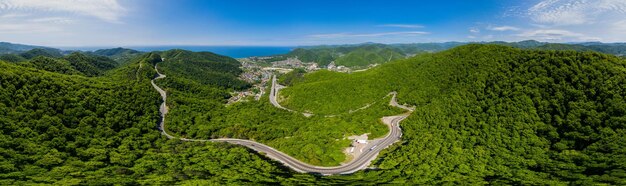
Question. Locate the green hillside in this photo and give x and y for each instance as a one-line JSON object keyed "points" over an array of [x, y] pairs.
{"points": [[485, 114], [347, 55], [75, 63], [492, 114], [617, 49], [51, 65], [416, 48], [367, 55], [59, 129], [361, 55], [203, 67], [115, 52], [121, 55], [321, 56], [90, 65], [12, 48], [198, 110], [46, 52], [13, 58]]}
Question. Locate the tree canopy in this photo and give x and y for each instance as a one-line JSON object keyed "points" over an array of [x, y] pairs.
{"points": [[492, 114], [485, 114]]}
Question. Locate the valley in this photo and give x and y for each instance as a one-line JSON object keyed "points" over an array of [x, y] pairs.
{"points": [[357, 163], [498, 108], [276, 92]]}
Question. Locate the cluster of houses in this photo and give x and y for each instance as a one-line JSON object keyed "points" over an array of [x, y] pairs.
{"points": [[260, 76], [293, 63]]}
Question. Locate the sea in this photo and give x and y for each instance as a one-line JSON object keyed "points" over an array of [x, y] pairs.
{"points": [[231, 51]]}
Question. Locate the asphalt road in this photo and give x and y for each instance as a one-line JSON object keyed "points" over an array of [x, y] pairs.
{"points": [[358, 163], [163, 109], [274, 94]]}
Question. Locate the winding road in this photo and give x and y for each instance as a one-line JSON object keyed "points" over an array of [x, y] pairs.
{"points": [[274, 94], [358, 163]]}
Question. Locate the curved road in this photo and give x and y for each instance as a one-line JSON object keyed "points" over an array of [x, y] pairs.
{"points": [[274, 94], [358, 163]]}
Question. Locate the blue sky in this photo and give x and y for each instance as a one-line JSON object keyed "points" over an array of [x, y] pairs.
{"points": [[290, 23]]}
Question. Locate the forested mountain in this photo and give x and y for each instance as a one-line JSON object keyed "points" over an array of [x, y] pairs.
{"points": [[417, 48], [51, 65], [46, 52], [618, 49], [361, 55], [370, 54], [11, 48], [13, 58], [121, 55], [347, 55], [204, 67], [90, 65], [74, 130], [485, 114], [321, 56], [102, 131], [73, 64], [17, 52], [491, 114], [198, 111], [115, 52]]}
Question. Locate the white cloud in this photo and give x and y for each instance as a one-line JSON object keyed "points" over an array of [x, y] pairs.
{"points": [[12, 15], [502, 28], [69, 22], [344, 35], [107, 10], [56, 20], [555, 35], [575, 12], [620, 26], [474, 30], [581, 20], [402, 25], [27, 28]]}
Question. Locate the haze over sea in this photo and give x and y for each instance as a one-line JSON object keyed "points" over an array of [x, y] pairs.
{"points": [[231, 51]]}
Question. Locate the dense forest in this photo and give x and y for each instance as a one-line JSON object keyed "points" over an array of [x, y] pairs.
{"points": [[75, 130], [41, 52], [292, 77], [11, 52], [203, 67], [361, 55], [347, 55], [120, 55], [12, 48], [75, 63], [486, 114], [198, 85]]}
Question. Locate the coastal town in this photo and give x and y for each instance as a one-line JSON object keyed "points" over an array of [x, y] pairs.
{"points": [[258, 71], [255, 75]]}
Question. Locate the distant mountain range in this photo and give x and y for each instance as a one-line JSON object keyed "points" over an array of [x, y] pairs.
{"points": [[484, 114], [118, 54], [11, 48], [361, 55], [12, 52], [353, 55]]}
